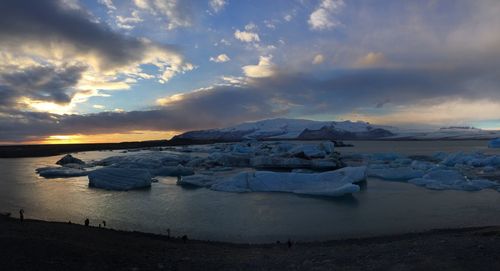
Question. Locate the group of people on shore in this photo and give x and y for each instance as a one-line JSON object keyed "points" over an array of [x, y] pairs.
{"points": [[87, 224]]}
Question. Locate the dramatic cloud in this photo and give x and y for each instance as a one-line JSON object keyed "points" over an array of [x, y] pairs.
{"points": [[246, 36], [220, 58], [61, 52], [128, 22], [175, 12], [324, 16], [318, 59], [264, 68], [47, 84], [371, 60], [346, 93], [217, 5]]}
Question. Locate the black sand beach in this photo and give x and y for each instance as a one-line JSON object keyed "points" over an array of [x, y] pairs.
{"points": [[40, 245]]}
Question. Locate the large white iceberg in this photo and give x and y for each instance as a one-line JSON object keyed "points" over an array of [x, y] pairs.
{"points": [[119, 178], [156, 163], [495, 143], [447, 179], [331, 183]]}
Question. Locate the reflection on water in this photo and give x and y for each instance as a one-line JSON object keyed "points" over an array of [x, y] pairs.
{"points": [[379, 208]]}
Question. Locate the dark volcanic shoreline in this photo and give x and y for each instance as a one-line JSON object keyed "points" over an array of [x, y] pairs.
{"points": [[40, 245]]}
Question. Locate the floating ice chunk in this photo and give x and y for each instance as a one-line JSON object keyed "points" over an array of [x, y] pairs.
{"points": [[151, 161], [119, 178], [279, 162], [307, 151], [195, 162], [327, 146], [489, 169], [61, 172], [440, 155], [422, 165], [385, 156], [495, 143], [461, 158], [230, 159], [271, 162], [474, 160], [395, 173], [280, 147], [331, 183], [447, 179], [201, 180], [241, 148], [69, 159]]}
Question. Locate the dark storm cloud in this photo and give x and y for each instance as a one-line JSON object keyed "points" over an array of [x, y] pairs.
{"points": [[50, 21], [199, 110], [39, 83], [279, 95]]}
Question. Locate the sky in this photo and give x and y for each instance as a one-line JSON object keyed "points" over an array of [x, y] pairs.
{"points": [[125, 70]]}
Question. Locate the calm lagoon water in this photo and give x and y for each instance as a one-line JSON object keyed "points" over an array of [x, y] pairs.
{"points": [[380, 208]]}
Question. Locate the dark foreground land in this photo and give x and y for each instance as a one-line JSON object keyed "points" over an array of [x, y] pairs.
{"points": [[39, 245]]}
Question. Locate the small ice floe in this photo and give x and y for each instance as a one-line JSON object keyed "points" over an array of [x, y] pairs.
{"points": [[198, 180], [119, 178], [495, 143], [332, 183], [69, 159], [156, 163], [448, 179], [61, 172], [471, 159], [404, 173]]}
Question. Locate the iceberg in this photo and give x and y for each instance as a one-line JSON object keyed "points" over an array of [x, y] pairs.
{"points": [[331, 183], [307, 152], [119, 178], [154, 162], [61, 172], [495, 143], [395, 173], [271, 162], [200, 180], [448, 179]]}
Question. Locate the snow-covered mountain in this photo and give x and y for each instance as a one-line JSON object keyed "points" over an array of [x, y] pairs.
{"points": [[303, 129], [450, 133], [291, 129]]}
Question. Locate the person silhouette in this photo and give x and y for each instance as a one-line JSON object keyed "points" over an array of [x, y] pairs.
{"points": [[104, 223], [289, 243], [87, 222], [184, 238], [21, 215]]}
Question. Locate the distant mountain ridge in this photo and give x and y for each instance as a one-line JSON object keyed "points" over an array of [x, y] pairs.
{"points": [[299, 129], [302, 129]]}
